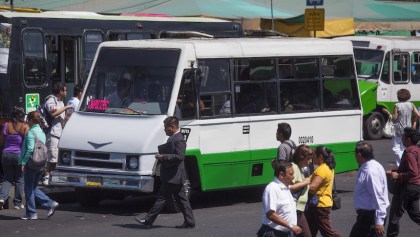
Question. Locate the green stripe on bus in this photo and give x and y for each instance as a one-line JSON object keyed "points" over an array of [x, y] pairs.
{"points": [[234, 169]]}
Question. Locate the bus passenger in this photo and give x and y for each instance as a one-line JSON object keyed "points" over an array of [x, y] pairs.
{"points": [[402, 117], [120, 99]]}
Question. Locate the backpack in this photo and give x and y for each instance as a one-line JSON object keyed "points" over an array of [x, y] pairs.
{"points": [[292, 149], [39, 157], [45, 116]]}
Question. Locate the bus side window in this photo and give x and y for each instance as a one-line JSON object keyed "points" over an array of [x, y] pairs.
{"points": [[415, 68], [400, 67], [186, 102], [33, 57]]}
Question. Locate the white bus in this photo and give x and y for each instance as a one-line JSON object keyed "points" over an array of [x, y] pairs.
{"points": [[229, 94], [385, 65]]}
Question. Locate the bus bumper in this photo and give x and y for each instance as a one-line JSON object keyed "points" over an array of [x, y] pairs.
{"points": [[104, 181]]}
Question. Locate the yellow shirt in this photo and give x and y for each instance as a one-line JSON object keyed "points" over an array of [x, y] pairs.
{"points": [[325, 189]]}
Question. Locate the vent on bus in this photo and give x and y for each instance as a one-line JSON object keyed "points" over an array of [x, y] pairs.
{"points": [[98, 164], [264, 33], [93, 155], [183, 34]]}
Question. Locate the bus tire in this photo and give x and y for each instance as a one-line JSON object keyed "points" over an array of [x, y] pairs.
{"points": [[88, 198], [172, 205], [373, 126]]}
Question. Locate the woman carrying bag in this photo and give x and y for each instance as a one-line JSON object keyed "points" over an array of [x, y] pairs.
{"points": [[11, 137], [32, 176], [318, 216]]}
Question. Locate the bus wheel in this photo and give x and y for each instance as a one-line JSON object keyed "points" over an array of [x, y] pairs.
{"points": [[88, 198], [373, 126], [172, 205]]}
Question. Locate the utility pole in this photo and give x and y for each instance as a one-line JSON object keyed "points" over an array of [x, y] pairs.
{"points": [[11, 4], [272, 17]]}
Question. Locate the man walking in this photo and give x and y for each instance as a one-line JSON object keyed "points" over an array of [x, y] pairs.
{"points": [[287, 147], [370, 194], [172, 177], [279, 208]]}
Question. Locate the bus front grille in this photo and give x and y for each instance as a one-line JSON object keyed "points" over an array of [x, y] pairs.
{"points": [[98, 164]]}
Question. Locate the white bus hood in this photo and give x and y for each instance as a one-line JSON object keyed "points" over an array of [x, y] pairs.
{"points": [[113, 133]]}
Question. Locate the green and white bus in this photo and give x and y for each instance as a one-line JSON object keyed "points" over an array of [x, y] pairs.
{"points": [[385, 65], [40, 49], [229, 94]]}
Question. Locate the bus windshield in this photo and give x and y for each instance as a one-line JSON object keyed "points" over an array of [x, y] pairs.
{"points": [[368, 63], [131, 81]]}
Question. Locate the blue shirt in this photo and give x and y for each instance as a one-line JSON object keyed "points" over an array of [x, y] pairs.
{"points": [[371, 191], [28, 144]]}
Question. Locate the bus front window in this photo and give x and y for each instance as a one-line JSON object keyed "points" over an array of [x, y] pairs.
{"points": [[131, 81], [368, 63], [33, 57]]}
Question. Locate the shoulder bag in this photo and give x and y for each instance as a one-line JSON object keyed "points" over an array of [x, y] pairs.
{"points": [[336, 198], [389, 130]]}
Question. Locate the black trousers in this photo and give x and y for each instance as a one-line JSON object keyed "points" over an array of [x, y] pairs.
{"points": [[165, 194], [267, 231], [365, 224], [406, 197]]}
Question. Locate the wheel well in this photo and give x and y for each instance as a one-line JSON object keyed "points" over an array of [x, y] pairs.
{"points": [[193, 172]]}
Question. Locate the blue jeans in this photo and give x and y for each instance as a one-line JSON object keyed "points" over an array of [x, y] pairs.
{"points": [[33, 193], [12, 175]]}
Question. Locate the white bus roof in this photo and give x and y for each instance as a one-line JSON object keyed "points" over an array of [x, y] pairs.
{"points": [[389, 42], [245, 47], [96, 16]]}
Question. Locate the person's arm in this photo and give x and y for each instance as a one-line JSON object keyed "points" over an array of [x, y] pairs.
{"points": [[1, 138], [395, 114], [412, 168], [29, 149], [275, 218], [315, 183], [416, 116], [51, 107], [375, 188], [179, 155], [24, 130], [299, 185]]}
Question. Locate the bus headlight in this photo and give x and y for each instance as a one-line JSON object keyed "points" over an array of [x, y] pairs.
{"points": [[65, 158], [132, 162]]}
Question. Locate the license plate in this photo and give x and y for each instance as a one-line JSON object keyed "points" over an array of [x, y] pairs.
{"points": [[94, 181]]}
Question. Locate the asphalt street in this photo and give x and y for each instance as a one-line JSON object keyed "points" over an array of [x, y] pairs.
{"points": [[220, 213]]}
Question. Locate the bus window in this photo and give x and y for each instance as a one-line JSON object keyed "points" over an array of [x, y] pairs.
{"points": [[339, 87], [91, 40], [33, 57], [299, 86], [400, 68], [415, 67], [255, 86], [187, 98], [69, 60], [368, 63], [215, 87], [116, 36]]}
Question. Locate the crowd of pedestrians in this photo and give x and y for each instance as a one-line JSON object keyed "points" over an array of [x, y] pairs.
{"points": [[18, 138]]}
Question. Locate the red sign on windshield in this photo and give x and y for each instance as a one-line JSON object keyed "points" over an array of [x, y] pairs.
{"points": [[98, 105]]}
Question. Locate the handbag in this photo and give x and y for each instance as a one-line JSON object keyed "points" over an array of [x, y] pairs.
{"points": [[313, 200], [389, 129], [336, 199]]}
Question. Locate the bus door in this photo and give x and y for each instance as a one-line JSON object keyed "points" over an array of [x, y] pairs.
{"points": [[34, 69], [415, 76], [400, 72]]}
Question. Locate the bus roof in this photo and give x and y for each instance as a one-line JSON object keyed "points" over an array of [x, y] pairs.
{"points": [[96, 16], [246, 47], [386, 42]]}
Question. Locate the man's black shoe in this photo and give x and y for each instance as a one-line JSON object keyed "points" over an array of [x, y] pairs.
{"points": [[185, 226], [143, 222]]}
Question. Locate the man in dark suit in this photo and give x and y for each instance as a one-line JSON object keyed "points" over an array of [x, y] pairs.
{"points": [[172, 176]]}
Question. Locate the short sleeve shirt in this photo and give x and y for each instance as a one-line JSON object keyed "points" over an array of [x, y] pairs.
{"points": [[285, 150], [277, 197], [325, 189], [53, 104]]}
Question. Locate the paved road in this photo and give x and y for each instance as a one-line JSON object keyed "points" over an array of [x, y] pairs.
{"points": [[221, 213]]}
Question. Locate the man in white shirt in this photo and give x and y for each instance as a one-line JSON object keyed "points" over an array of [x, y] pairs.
{"points": [[279, 208], [370, 194], [75, 100]]}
